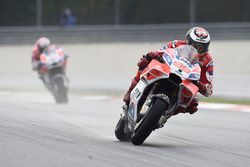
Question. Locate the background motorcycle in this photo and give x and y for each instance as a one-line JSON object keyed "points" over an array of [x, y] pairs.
{"points": [[52, 71], [165, 86]]}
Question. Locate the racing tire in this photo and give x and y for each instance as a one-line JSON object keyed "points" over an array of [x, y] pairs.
{"points": [[149, 121], [61, 93]]}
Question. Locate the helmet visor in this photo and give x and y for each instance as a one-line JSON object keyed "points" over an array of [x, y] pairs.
{"points": [[199, 47]]}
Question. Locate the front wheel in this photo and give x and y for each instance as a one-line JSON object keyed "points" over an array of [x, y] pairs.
{"points": [[149, 121], [61, 91]]}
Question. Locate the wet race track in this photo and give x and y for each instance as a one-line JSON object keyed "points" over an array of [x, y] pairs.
{"points": [[36, 132]]}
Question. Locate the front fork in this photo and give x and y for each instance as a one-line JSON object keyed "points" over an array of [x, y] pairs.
{"points": [[131, 124], [49, 77], [165, 116], [46, 81]]}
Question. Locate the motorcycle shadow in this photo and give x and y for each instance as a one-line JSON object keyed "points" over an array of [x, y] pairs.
{"points": [[161, 145]]}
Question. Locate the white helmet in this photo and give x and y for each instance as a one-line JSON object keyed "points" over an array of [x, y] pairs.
{"points": [[42, 43], [199, 38]]}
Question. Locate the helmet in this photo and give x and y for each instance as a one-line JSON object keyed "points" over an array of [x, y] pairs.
{"points": [[199, 38], [42, 43]]}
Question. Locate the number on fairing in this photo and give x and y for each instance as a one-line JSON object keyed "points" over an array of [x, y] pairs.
{"points": [[137, 93]]}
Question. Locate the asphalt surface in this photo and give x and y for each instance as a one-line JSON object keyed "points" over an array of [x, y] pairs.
{"points": [[35, 132]]}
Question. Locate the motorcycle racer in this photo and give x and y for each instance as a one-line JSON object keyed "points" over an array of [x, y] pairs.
{"points": [[39, 47], [50, 63], [199, 38]]}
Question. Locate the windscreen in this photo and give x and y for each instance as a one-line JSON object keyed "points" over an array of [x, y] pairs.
{"points": [[188, 53]]}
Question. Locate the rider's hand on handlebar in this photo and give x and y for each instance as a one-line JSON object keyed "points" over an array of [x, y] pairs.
{"points": [[146, 59], [152, 55], [160, 59], [143, 63]]}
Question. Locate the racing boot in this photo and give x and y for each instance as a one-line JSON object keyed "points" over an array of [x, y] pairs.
{"points": [[193, 106]]}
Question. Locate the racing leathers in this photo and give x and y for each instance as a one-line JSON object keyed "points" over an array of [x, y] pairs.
{"points": [[204, 84], [35, 58]]}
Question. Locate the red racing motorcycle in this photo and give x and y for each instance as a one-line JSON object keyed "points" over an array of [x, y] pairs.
{"points": [[52, 72], [165, 86]]}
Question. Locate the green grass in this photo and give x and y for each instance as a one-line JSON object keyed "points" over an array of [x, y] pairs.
{"points": [[119, 93], [225, 100]]}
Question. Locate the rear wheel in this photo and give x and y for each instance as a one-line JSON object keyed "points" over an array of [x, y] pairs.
{"points": [[149, 121]]}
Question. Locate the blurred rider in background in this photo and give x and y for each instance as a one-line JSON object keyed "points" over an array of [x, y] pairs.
{"points": [[40, 46], [199, 38]]}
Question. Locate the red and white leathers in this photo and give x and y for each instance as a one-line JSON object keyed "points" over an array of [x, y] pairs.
{"points": [[35, 57], [204, 84]]}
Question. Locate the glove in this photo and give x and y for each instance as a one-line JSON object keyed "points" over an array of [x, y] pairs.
{"points": [[146, 59], [160, 59], [151, 55]]}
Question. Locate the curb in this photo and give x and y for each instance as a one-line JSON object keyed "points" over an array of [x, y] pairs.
{"points": [[202, 105], [227, 107]]}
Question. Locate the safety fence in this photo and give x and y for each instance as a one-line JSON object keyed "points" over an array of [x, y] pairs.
{"points": [[121, 33]]}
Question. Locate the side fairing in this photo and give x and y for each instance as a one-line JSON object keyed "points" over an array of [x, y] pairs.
{"points": [[135, 96], [154, 72]]}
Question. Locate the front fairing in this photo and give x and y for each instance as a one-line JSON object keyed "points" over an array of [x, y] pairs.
{"points": [[52, 58], [155, 71], [181, 66]]}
